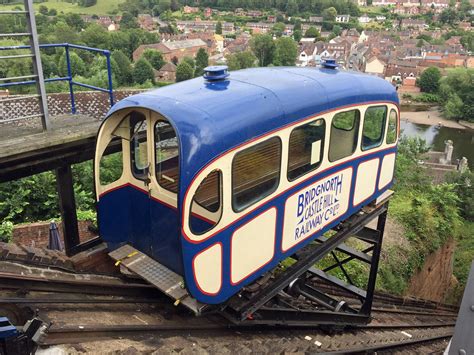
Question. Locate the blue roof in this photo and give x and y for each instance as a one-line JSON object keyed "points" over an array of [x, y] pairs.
{"points": [[212, 117]]}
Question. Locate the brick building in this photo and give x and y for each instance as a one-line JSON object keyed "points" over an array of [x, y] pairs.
{"points": [[174, 49]]}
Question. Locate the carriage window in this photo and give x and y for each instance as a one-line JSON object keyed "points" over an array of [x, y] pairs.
{"points": [[111, 163], [306, 148], [255, 173], [392, 127], [208, 196], [138, 144], [167, 156], [344, 131], [374, 124]]}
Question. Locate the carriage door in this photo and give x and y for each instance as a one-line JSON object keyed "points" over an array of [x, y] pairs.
{"points": [[140, 170], [164, 182]]}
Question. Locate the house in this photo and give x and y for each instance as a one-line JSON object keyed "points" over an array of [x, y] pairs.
{"points": [[384, 3], [306, 53], [343, 18], [173, 50], [364, 19], [146, 22], [207, 12], [113, 27], [437, 5], [407, 23], [167, 73], [380, 18], [190, 9], [255, 13], [315, 19], [259, 27], [204, 26], [374, 65], [272, 18]]}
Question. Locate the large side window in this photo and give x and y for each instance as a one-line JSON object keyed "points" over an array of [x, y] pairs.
{"points": [[392, 127], [255, 173], [166, 156], [344, 132], [111, 162], [208, 196], [306, 147], [138, 145], [374, 125]]}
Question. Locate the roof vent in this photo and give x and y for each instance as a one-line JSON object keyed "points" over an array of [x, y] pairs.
{"points": [[216, 72], [329, 63]]}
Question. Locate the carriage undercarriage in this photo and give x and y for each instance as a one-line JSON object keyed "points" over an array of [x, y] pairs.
{"points": [[298, 294]]}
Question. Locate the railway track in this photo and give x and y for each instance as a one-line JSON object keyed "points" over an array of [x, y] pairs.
{"points": [[90, 310]]}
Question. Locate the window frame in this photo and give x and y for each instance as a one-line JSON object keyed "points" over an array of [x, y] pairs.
{"points": [[397, 123], [382, 135], [220, 210], [235, 209], [155, 160], [317, 165], [144, 175], [356, 135]]}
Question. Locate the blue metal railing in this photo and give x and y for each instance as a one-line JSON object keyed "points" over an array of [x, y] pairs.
{"points": [[69, 77]]}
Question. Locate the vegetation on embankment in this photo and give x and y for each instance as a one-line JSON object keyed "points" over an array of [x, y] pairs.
{"points": [[430, 215]]}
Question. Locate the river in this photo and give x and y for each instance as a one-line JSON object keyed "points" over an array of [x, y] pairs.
{"points": [[463, 139]]}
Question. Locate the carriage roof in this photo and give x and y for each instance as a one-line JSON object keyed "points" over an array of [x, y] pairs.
{"points": [[211, 117]]}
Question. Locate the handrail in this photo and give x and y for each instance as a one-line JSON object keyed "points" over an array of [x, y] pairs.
{"points": [[69, 77]]}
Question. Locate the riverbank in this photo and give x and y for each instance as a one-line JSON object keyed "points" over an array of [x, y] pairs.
{"points": [[430, 118]]}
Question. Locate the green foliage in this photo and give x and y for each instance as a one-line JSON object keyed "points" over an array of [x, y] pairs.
{"points": [[329, 14], [128, 21], [184, 71], [241, 60], [312, 32], [202, 61], [426, 97], [286, 51], [464, 188], [219, 28], [142, 71], [263, 47], [457, 94], [429, 80], [123, 69], [278, 29], [6, 231], [297, 35], [78, 67], [154, 57], [87, 3]]}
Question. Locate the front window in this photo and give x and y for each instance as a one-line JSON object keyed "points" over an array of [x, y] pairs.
{"points": [[138, 145], [167, 156]]}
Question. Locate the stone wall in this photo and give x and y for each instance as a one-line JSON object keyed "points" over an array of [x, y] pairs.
{"points": [[37, 234]]}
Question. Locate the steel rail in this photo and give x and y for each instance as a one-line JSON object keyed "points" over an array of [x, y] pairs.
{"points": [[388, 346], [405, 326]]}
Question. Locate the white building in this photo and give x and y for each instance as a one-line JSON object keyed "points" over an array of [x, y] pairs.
{"points": [[343, 18]]}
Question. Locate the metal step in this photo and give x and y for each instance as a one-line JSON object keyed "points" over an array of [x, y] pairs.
{"points": [[157, 274]]}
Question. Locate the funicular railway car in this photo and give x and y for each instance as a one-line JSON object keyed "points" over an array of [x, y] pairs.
{"points": [[220, 178]]}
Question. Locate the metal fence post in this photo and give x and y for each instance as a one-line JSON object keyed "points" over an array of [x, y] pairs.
{"points": [[69, 74], [109, 73]]}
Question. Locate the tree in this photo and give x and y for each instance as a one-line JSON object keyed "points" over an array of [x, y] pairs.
{"points": [[202, 61], [124, 68], [429, 80], [95, 36], [128, 21], [78, 67], [286, 51], [190, 61], [263, 47], [241, 60], [329, 14], [297, 25], [297, 35], [278, 29], [164, 5], [43, 10], [219, 28], [154, 57], [184, 71], [457, 94], [337, 30], [75, 21], [449, 16], [312, 32], [142, 71], [87, 3], [291, 8]]}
